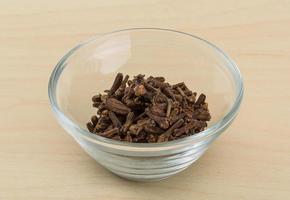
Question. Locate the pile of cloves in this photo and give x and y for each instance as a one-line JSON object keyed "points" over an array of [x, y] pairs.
{"points": [[148, 110]]}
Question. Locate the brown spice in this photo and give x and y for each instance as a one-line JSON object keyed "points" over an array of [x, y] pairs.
{"points": [[148, 110], [117, 83]]}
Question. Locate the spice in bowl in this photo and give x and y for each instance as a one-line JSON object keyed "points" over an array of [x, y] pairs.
{"points": [[148, 110]]}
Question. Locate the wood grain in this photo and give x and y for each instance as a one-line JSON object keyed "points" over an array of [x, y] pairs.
{"points": [[38, 160]]}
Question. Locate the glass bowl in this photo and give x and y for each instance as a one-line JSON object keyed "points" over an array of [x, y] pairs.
{"points": [[90, 68]]}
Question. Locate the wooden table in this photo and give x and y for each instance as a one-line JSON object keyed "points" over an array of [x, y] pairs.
{"points": [[38, 160]]}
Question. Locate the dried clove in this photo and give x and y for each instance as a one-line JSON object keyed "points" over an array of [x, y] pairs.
{"points": [[151, 138], [117, 83], [94, 119], [90, 126], [97, 98], [200, 100], [148, 110], [164, 137], [161, 121], [156, 109], [121, 90], [115, 121], [117, 106], [129, 121], [153, 129], [169, 106], [128, 138], [109, 133]]}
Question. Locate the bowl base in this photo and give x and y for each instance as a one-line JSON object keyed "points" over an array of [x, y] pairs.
{"points": [[149, 178]]}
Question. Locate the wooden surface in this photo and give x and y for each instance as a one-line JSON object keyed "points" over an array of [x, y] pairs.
{"points": [[38, 160]]}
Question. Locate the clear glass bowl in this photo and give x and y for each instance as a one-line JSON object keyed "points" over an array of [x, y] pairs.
{"points": [[90, 67]]}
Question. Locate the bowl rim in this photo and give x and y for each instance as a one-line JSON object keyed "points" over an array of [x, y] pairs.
{"points": [[214, 129]]}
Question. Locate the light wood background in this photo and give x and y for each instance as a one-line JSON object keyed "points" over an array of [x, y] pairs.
{"points": [[38, 160]]}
